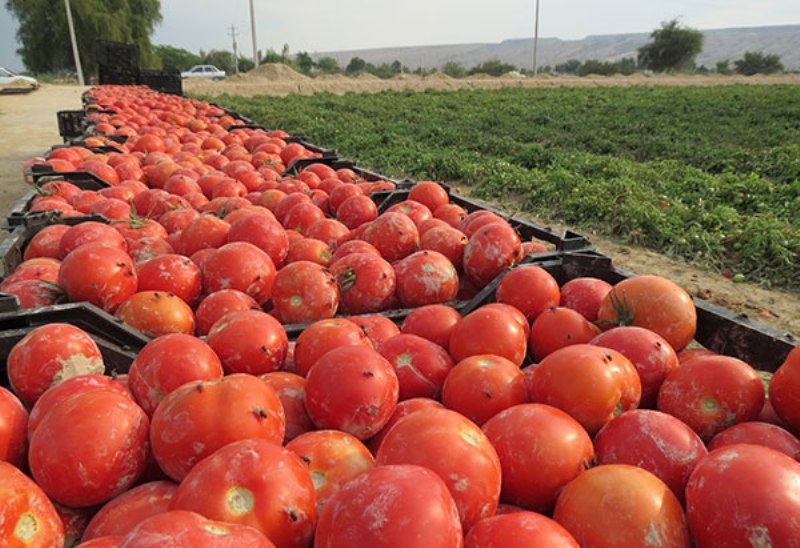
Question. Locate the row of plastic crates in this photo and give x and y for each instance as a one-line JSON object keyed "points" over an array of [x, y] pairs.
{"points": [[163, 81]]}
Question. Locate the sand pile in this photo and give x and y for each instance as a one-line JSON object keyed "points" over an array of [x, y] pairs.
{"points": [[438, 76], [367, 76], [277, 72]]}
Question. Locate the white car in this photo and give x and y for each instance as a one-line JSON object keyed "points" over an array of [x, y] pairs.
{"points": [[9, 79], [204, 71]]}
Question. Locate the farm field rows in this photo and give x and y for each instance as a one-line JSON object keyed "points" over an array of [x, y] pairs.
{"points": [[708, 174]]}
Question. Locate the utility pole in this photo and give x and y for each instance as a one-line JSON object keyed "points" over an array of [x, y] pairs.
{"points": [[235, 50], [74, 43], [253, 31], [536, 40]]}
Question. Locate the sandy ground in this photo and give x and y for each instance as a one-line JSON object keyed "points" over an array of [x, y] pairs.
{"points": [[30, 127]]}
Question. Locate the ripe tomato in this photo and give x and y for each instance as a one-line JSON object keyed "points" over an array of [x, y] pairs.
{"points": [[192, 529], [90, 232], [425, 277], [394, 235], [156, 313], [541, 449], [242, 266], [321, 337], [102, 275], [168, 362], [711, 393], [518, 530], [556, 328], [491, 249], [742, 495], [89, 448], [758, 433], [46, 242], [366, 394], [378, 329], [13, 429], [654, 303], [452, 214], [302, 216], [452, 446], [329, 231], [784, 391], [356, 210], [121, 514], [366, 282], [434, 322], [620, 505], [29, 518], [481, 386], [304, 292], [333, 459], [488, 331], [655, 441], [415, 511], [446, 240], [429, 194], [309, 249], [421, 365], [415, 211], [48, 355], [171, 273], [291, 390], [530, 289], [198, 418], [254, 482], [402, 409], [592, 384], [250, 341], [206, 231], [220, 303]]}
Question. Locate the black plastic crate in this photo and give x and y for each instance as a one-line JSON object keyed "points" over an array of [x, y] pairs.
{"points": [[117, 75], [334, 162], [118, 54], [163, 81], [718, 328], [84, 179], [20, 213], [300, 138], [71, 124]]}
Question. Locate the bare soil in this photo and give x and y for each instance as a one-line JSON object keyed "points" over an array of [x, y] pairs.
{"points": [[30, 127]]}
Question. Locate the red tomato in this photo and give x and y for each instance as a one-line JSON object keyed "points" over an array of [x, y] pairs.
{"points": [[366, 394], [102, 275], [619, 505], [366, 282], [518, 530], [250, 341], [655, 441], [302, 216], [333, 459], [356, 210], [654, 303], [121, 514], [394, 235], [157, 313], [378, 329], [145, 249], [13, 429], [291, 390], [490, 251], [429, 194], [254, 482], [425, 277], [206, 231], [171, 273], [556, 328], [198, 418], [90, 232], [434, 322], [744, 495], [488, 331], [354, 246], [220, 303], [89, 448], [784, 391], [446, 240], [481, 386], [411, 504], [46, 242], [402, 409], [309, 249], [329, 231], [168, 362], [242, 266], [321, 337], [192, 529], [541, 449], [421, 365], [530, 289], [758, 433], [48, 355], [415, 211], [452, 214], [29, 518], [711, 393], [592, 384], [453, 447]]}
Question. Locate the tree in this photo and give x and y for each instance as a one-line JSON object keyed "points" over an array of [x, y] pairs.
{"points": [[246, 64], [454, 70], [304, 62], [397, 67], [356, 65], [221, 59], [494, 67], [173, 58], [328, 65], [570, 67], [44, 36], [724, 67], [755, 62], [673, 47]]}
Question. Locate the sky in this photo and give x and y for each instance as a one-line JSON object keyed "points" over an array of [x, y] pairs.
{"points": [[317, 26]]}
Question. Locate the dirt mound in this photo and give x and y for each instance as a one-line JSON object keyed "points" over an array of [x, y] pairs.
{"points": [[332, 78], [405, 76], [367, 76], [481, 76], [277, 72], [438, 76]]}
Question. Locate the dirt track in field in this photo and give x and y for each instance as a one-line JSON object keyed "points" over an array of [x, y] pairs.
{"points": [[29, 128]]}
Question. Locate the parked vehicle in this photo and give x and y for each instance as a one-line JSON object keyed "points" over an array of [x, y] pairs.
{"points": [[9, 78], [204, 71]]}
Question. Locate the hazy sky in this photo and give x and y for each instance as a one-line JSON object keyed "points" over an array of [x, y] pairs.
{"points": [[355, 24]]}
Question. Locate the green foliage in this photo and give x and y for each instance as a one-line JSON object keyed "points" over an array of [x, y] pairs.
{"points": [[304, 62], [673, 47], [221, 59], [724, 67], [355, 66], [173, 58], [494, 67], [328, 65], [570, 67], [708, 174], [44, 35], [755, 62], [453, 69]]}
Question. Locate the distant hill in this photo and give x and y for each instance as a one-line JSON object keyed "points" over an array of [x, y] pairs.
{"points": [[719, 45]]}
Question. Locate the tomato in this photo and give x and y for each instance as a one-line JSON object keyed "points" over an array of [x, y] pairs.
{"points": [[556, 328], [192, 529], [411, 504], [758, 433], [744, 495], [530, 289], [592, 384], [446, 240], [711, 393], [452, 446], [650, 353], [416, 211], [366, 282], [490, 251], [90, 232], [29, 518], [302, 216], [366, 394], [321, 337], [378, 329], [429, 194], [206, 231], [196, 419], [518, 530], [291, 390], [168, 362], [784, 391], [39, 269], [489, 331], [102, 275], [250, 341], [425, 277], [620, 505], [329, 231], [655, 441], [177, 219], [434, 322], [309, 249], [171, 273], [46, 242], [402, 409], [219, 303], [121, 514], [13, 429], [333, 459], [421, 365], [304, 292], [89, 448], [254, 482], [156, 313], [356, 210], [48, 355], [654, 303], [242, 266], [394, 235], [354, 246], [541, 449], [481, 386]]}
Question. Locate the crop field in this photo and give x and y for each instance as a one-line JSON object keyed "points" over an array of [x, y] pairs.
{"points": [[710, 174]]}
